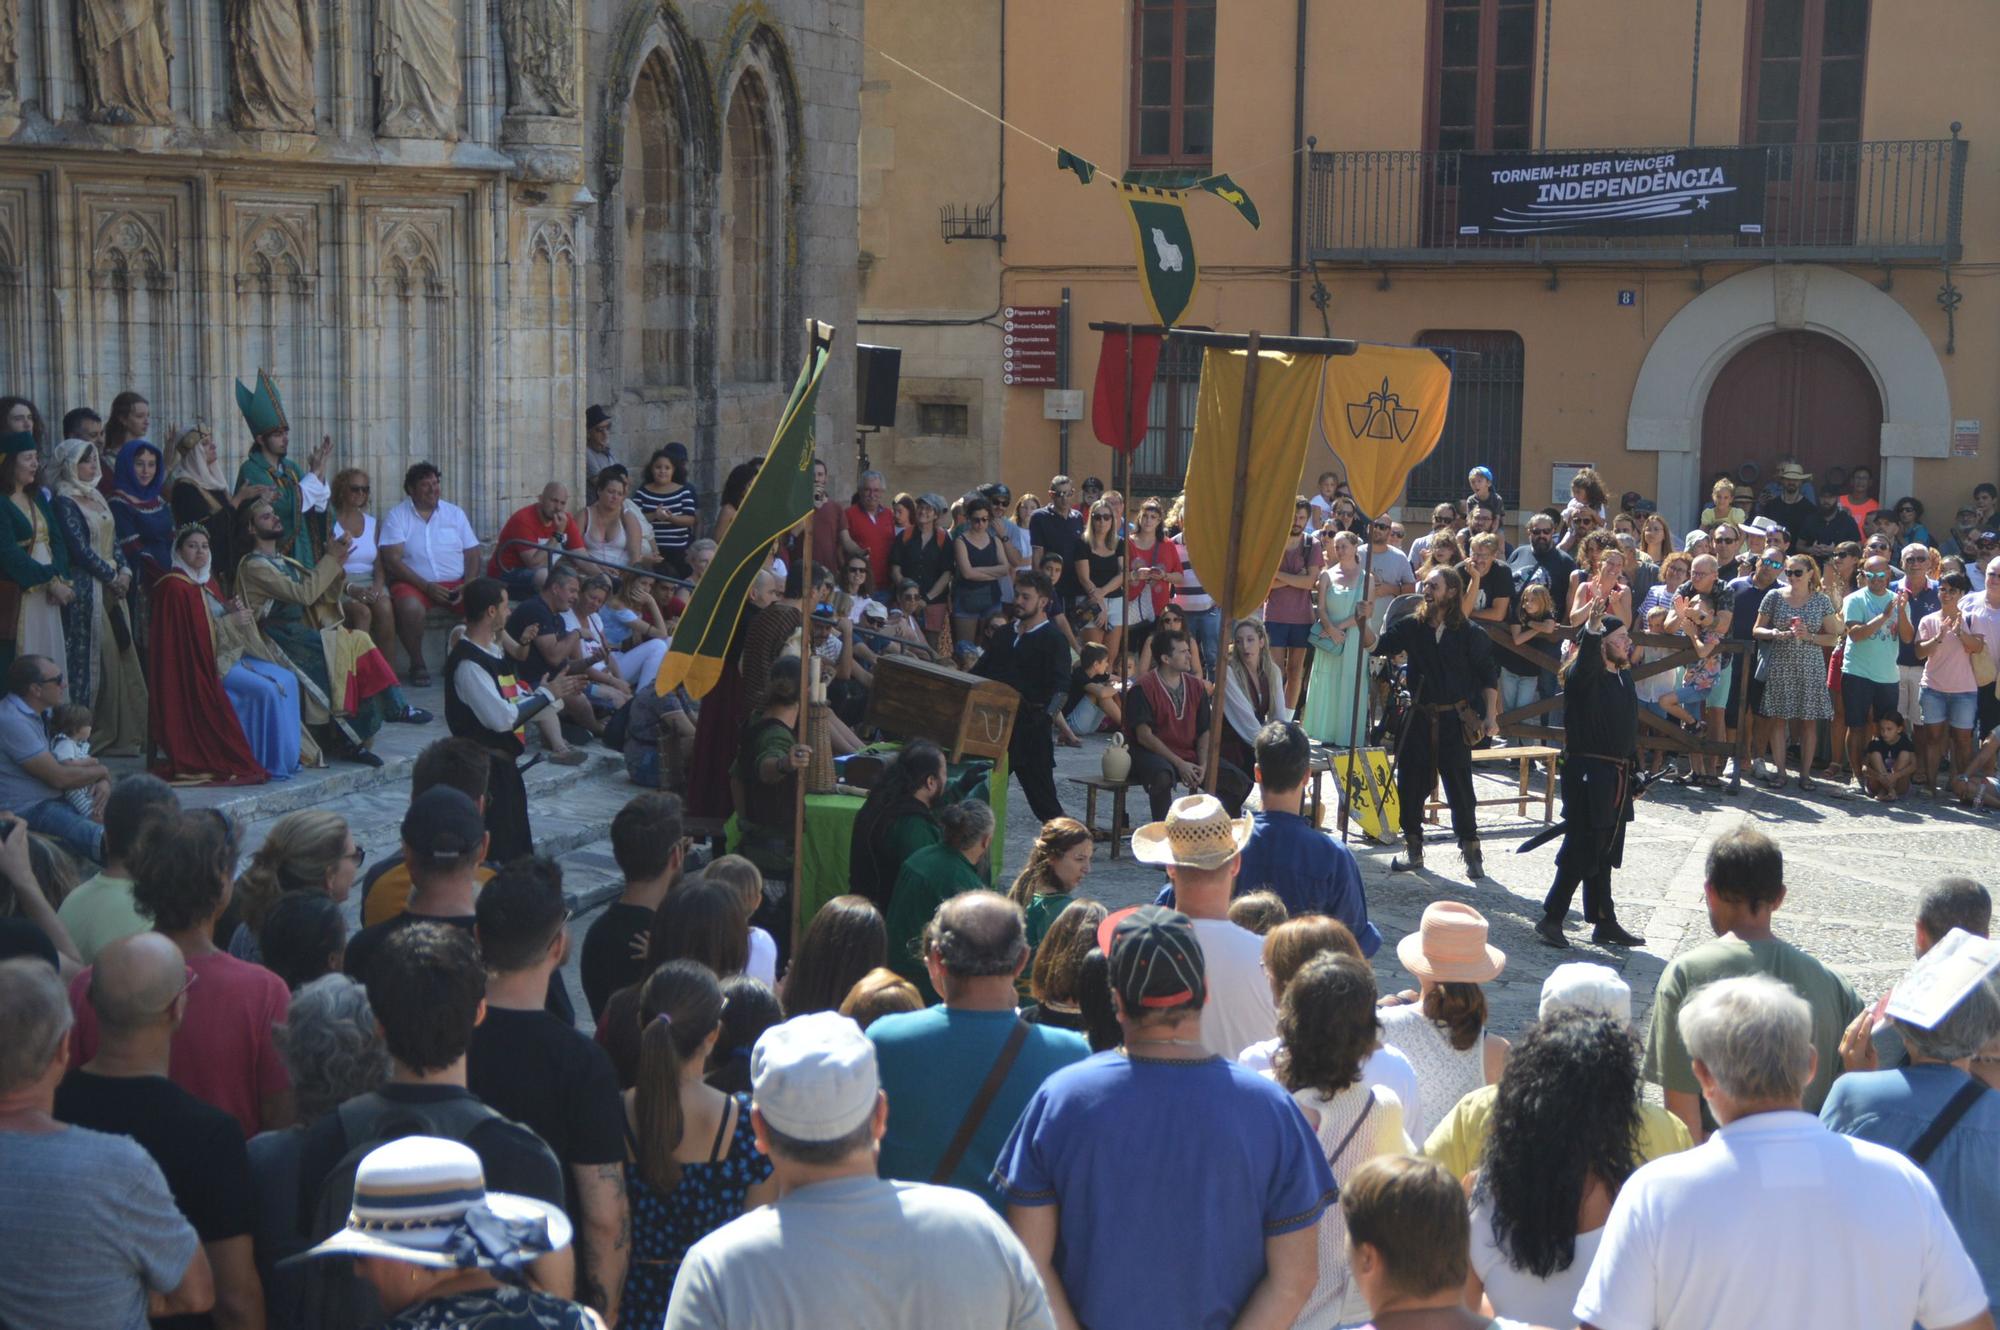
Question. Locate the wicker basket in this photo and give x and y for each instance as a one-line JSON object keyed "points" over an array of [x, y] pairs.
{"points": [[820, 777]]}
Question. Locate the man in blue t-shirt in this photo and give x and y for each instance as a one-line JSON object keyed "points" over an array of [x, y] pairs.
{"points": [[1877, 620], [934, 1062], [1161, 1184], [1310, 871]]}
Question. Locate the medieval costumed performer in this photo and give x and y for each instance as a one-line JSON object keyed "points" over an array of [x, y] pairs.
{"points": [[32, 558], [1601, 712], [295, 491], [194, 720]]}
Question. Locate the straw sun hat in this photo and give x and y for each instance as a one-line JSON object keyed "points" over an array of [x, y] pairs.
{"points": [[1450, 946], [1198, 834]]}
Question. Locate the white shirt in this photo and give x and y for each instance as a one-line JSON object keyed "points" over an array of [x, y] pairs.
{"points": [[482, 696], [1518, 1293], [1239, 1011], [360, 565], [1777, 1221], [433, 550], [763, 963], [1386, 1067]]}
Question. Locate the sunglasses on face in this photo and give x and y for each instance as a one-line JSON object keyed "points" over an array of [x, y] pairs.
{"points": [[1876, 577], [1725, 540], [1774, 563]]}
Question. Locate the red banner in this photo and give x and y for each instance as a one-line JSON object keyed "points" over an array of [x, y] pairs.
{"points": [[1108, 406]]}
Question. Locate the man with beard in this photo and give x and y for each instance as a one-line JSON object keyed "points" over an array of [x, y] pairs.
{"points": [[1833, 526], [1543, 562], [1791, 509], [1597, 790], [1453, 683], [1034, 658]]}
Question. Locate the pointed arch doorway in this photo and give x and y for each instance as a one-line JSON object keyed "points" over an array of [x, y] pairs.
{"points": [[1792, 394]]}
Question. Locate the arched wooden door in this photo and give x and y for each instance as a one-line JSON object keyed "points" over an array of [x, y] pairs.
{"points": [[1792, 394]]}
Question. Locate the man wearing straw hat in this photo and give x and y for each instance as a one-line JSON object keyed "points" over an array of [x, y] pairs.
{"points": [[1598, 791], [1201, 848]]}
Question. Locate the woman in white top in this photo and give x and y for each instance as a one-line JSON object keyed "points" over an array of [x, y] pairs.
{"points": [[1326, 1030], [1287, 949], [366, 581], [611, 530], [1563, 1141], [607, 686], [1442, 1029]]}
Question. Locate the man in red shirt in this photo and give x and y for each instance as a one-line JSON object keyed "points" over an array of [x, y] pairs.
{"points": [[871, 529], [546, 521]]}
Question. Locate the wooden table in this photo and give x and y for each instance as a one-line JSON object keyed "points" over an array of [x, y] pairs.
{"points": [[1116, 789], [1522, 796]]}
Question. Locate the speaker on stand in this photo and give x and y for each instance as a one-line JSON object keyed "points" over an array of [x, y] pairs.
{"points": [[878, 371]]}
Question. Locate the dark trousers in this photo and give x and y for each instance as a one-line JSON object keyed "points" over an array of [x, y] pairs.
{"points": [[1162, 783], [1434, 753], [509, 836], [1596, 893], [1032, 755]]}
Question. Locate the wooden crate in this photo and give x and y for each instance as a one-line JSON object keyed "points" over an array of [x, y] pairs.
{"points": [[961, 713]]}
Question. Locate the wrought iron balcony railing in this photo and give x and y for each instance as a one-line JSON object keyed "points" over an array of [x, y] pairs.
{"points": [[1885, 202]]}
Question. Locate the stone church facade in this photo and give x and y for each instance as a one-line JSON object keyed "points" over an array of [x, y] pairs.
{"points": [[444, 226]]}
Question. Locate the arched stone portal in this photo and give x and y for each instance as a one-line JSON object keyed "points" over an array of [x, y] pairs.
{"points": [[1684, 360]]}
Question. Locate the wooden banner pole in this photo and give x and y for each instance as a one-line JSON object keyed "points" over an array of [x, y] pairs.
{"points": [[1246, 419], [805, 710], [1121, 463]]}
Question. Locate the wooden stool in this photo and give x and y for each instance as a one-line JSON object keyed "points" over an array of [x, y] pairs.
{"points": [[1522, 795], [1319, 763], [1116, 789]]}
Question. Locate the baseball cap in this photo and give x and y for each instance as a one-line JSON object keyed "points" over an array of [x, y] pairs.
{"points": [[1989, 537], [813, 1077], [443, 823], [1695, 535], [875, 610], [1583, 986], [1154, 957]]}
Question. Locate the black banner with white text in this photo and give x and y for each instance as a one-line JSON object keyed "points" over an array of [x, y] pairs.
{"points": [[1687, 191]]}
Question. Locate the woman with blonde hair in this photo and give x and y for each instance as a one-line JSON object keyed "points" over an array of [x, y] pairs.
{"points": [[1656, 539], [1340, 632], [1796, 623], [1100, 574], [308, 850], [1056, 867], [1256, 696], [367, 585]]}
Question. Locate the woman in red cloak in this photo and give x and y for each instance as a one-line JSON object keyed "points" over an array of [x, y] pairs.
{"points": [[191, 720]]}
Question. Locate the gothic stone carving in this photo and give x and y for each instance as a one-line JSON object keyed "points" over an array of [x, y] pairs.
{"points": [[416, 69], [123, 49], [541, 56], [271, 43], [10, 27]]}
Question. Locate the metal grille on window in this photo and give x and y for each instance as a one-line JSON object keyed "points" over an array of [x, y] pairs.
{"points": [[1482, 426], [951, 418], [1160, 464]]}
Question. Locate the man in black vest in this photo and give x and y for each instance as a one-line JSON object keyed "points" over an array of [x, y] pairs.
{"points": [[1453, 683], [1601, 740], [485, 702], [1034, 659]]}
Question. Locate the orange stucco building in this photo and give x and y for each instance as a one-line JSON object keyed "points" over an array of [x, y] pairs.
{"points": [[1847, 315]]}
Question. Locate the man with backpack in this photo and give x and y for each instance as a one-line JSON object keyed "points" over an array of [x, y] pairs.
{"points": [[427, 986]]}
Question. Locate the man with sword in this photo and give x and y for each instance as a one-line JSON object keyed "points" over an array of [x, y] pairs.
{"points": [[1601, 739]]}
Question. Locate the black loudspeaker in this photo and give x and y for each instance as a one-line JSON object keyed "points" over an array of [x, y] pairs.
{"points": [[877, 371]]}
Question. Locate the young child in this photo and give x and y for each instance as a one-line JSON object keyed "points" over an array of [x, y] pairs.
{"points": [[1093, 697], [1891, 763], [69, 741], [748, 880], [1258, 911]]}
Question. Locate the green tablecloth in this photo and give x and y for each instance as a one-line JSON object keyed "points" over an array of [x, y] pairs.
{"points": [[830, 836]]}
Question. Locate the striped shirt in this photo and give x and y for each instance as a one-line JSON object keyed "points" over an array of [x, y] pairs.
{"points": [[683, 502]]}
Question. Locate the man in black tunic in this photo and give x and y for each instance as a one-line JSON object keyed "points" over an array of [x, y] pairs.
{"points": [[1034, 659], [1453, 681], [1600, 742]]}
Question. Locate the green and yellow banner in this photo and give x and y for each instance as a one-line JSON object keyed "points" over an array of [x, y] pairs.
{"points": [[778, 500], [1382, 412], [1155, 202]]}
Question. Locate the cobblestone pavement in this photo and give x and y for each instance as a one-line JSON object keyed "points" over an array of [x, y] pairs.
{"points": [[1854, 869]]}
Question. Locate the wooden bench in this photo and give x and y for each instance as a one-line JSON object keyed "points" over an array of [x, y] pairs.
{"points": [[1093, 785], [1523, 795]]}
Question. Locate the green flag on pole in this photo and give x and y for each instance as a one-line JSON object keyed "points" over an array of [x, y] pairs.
{"points": [[778, 500], [1167, 267]]}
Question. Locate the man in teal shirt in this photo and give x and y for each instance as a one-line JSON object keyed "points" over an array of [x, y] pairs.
{"points": [[935, 1062], [1877, 620], [295, 491]]}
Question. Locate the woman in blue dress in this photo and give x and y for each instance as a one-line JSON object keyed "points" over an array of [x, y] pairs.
{"points": [[694, 1164], [1340, 636], [263, 694], [145, 527]]}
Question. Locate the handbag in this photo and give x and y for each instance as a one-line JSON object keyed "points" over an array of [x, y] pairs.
{"points": [[1983, 670]]}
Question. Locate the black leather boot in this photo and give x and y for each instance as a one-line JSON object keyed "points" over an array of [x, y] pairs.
{"points": [[1475, 863], [1411, 860], [1610, 933]]}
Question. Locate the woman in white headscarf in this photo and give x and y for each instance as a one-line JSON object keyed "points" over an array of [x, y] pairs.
{"points": [[103, 664], [197, 492]]}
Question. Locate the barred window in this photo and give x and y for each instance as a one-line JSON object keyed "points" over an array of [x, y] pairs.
{"points": [[1482, 426]]}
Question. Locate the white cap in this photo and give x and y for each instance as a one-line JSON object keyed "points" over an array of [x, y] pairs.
{"points": [[813, 1077], [1582, 986], [1694, 535]]}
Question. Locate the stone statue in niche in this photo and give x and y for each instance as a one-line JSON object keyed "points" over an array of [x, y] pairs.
{"points": [[271, 45], [416, 69], [541, 56], [123, 50], [10, 24]]}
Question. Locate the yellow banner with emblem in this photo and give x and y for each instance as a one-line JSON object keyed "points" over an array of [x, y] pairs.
{"points": [[1383, 411]]}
